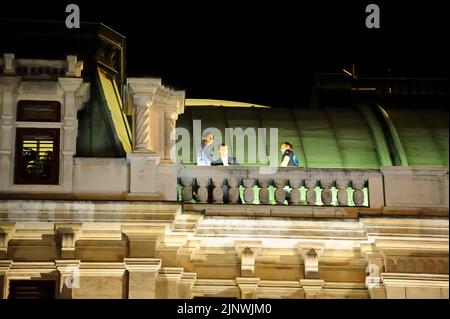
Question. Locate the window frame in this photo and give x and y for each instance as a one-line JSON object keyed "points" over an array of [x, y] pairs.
{"points": [[18, 162]]}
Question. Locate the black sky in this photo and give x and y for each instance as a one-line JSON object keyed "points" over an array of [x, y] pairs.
{"points": [[262, 52]]}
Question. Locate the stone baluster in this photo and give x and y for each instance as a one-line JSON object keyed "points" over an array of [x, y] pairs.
{"points": [[342, 195], [187, 189], [294, 198], [249, 196], [217, 193], [327, 195], [358, 195], [202, 191], [233, 190], [311, 196], [264, 191], [280, 194]]}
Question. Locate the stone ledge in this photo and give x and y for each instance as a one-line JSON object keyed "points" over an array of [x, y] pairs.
{"points": [[309, 211]]}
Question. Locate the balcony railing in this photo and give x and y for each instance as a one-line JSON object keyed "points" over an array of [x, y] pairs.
{"points": [[284, 186]]}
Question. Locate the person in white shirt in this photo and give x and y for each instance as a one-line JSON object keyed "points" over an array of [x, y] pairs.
{"points": [[205, 154]]}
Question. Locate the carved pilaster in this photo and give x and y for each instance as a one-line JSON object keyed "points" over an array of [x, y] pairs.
{"points": [[68, 234], [170, 119]]}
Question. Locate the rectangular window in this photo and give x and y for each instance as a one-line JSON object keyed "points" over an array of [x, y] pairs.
{"points": [[39, 111], [32, 289], [37, 156]]}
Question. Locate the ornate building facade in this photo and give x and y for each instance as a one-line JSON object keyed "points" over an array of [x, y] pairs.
{"points": [[94, 205]]}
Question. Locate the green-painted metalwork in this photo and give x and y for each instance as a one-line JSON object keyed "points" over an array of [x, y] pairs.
{"points": [[377, 133], [399, 152]]}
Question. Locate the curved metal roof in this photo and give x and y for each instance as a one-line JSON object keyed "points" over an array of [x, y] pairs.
{"points": [[333, 137]]}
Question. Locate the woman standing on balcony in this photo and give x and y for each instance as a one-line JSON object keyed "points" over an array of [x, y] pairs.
{"points": [[205, 155], [288, 158]]}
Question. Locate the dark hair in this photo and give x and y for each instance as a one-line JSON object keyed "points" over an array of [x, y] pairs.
{"points": [[288, 144]]}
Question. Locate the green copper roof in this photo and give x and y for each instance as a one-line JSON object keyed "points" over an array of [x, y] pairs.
{"points": [[336, 137]]}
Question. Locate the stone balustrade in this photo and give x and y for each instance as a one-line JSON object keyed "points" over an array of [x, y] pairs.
{"points": [[287, 186], [41, 69]]}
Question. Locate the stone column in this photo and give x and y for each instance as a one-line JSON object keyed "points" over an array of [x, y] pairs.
{"points": [[154, 116], [170, 118], [70, 129], [142, 124], [142, 277], [69, 278], [8, 87]]}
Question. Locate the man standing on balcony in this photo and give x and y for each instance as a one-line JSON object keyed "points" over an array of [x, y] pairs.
{"points": [[288, 158], [205, 155], [225, 159]]}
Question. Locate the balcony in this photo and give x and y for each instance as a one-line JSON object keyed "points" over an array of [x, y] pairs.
{"points": [[311, 192]]}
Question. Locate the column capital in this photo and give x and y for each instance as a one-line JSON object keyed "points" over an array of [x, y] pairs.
{"points": [[5, 265], [143, 85], [74, 67], [9, 82], [70, 84], [143, 264], [9, 63], [171, 273], [67, 265], [248, 286], [170, 100], [312, 287], [68, 234]]}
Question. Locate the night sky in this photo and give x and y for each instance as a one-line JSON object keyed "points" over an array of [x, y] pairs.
{"points": [[262, 52]]}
